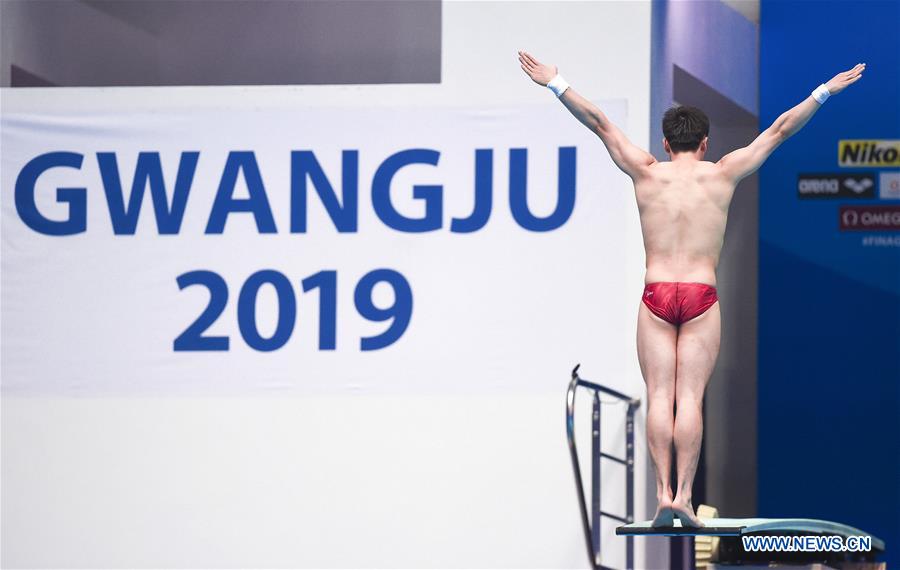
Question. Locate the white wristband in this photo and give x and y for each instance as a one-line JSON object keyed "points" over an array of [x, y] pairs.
{"points": [[558, 85], [821, 94]]}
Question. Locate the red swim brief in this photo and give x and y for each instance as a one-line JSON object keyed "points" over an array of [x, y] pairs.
{"points": [[678, 302]]}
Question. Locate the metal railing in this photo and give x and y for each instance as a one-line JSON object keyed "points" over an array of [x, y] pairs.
{"points": [[592, 526]]}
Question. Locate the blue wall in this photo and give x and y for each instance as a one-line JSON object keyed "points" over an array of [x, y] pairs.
{"points": [[829, 305], [709, 40]]}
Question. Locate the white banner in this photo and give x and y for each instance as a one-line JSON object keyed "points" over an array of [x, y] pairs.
{"points": [[317, 250]]}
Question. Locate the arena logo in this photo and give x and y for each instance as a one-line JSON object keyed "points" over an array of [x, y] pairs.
{"points": [[305, 170], [835, 186], [869, 153], [869, 218]]}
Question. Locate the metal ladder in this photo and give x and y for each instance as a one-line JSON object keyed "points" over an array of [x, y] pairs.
{"points": [[592, 526]]}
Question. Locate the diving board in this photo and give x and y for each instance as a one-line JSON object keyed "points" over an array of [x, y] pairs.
{"points": [[742, 527], [731, 551]]}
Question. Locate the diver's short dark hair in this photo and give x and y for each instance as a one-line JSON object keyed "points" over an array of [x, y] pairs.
{"points": [[684, 127]]}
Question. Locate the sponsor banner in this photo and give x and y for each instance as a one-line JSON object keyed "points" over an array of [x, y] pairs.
{"points": [[869, 153], [836, 185], [870, 218], [889, 185]]}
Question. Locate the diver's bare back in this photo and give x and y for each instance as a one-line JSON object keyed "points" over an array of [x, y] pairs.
{"points": [[683, 204], [683, 209]]}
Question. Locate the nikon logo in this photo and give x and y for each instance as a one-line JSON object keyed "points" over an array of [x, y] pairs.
{"points": [[869, 153]]}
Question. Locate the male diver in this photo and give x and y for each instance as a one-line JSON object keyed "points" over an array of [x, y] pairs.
{"points": [[683, 205]]}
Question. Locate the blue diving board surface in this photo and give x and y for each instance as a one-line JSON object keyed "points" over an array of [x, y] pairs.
{"points": [[741, 527]]}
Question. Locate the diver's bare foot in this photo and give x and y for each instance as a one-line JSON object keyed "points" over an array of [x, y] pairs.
{"points": [[664, 514], [685, 513]]}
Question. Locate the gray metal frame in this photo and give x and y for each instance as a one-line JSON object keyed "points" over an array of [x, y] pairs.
{"points": [[592, 526]]}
